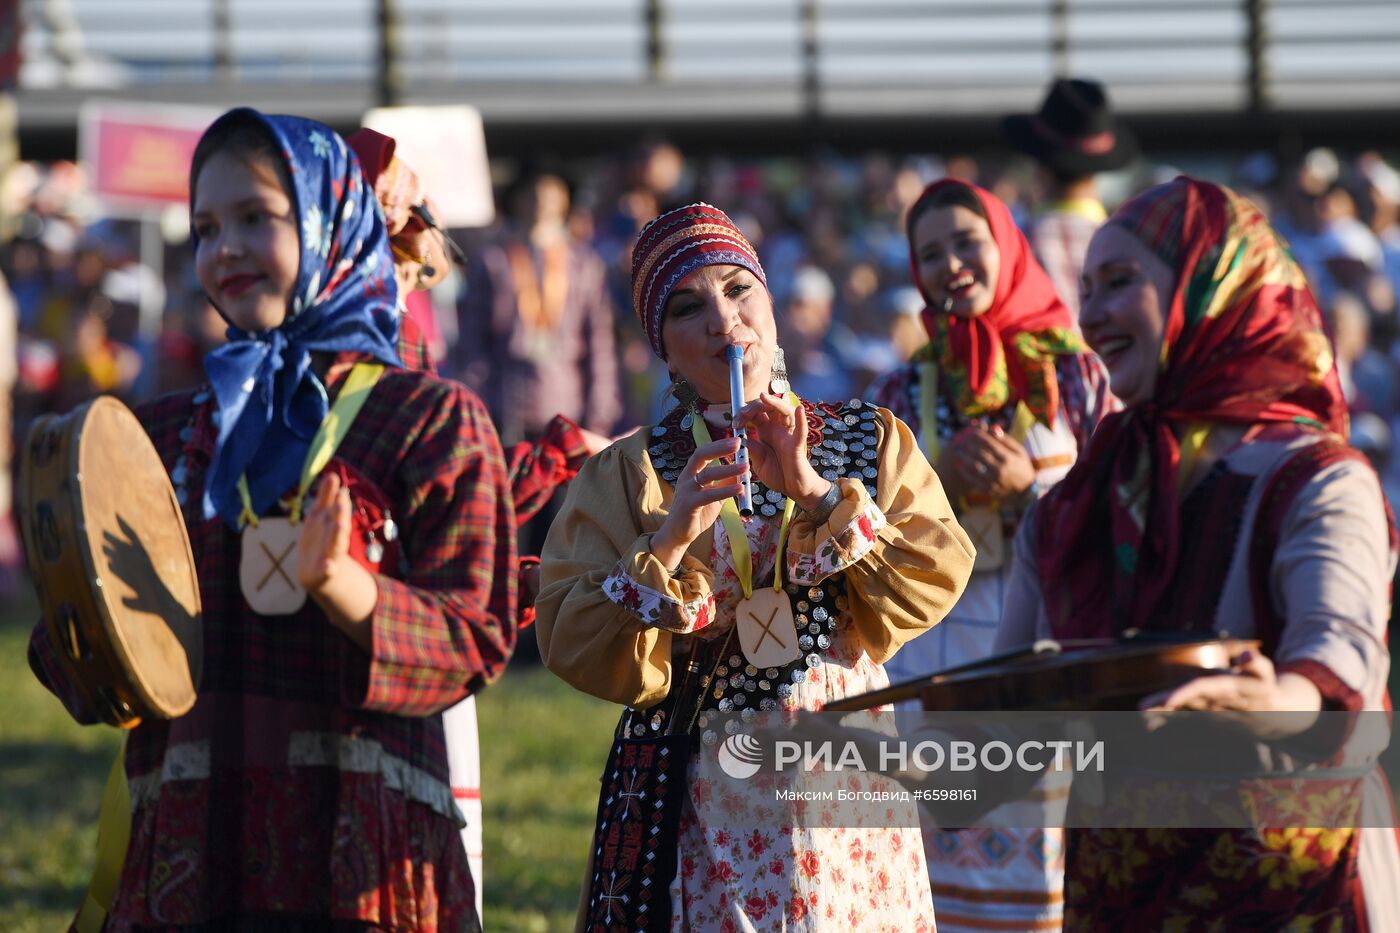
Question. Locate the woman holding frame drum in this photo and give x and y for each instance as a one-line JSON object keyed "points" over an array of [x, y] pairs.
{"points": [[351, 524]]}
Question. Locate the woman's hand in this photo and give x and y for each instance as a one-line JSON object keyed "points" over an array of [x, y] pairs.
{"points": [[777, 432], [1252, 686], [986, 463], [700, 493], [346, 591]]}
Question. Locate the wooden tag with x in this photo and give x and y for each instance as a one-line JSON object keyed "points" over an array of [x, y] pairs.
{"points": [[767, 633], [267, 569], [983, 526]]}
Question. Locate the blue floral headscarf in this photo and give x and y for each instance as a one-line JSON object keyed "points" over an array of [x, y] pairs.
{"points": [[270, 402]]}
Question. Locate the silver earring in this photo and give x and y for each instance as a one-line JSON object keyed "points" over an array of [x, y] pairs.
{"points": [[778, 381]]}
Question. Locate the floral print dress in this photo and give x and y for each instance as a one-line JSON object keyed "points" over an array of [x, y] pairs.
{"points": [[747, 861]]}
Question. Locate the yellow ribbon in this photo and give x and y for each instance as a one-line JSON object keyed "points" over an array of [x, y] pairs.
{"points": [[1192, 445], [734, 525], [333, 429], [113, 834]]}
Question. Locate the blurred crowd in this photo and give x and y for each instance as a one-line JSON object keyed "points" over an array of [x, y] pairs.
{"points": [[540, 320]]}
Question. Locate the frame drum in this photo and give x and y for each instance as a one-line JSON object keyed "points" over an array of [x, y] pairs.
{"points": [[109, 554]]}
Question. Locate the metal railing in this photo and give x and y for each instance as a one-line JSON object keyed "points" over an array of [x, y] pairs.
{"points": [[552, 60]]}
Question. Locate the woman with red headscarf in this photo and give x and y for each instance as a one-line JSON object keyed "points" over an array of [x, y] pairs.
{"points": [[1002, 398], [1224, 498]]}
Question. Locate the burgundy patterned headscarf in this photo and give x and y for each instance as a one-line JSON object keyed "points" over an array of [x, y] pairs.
{"points": [[1244, 344], [676, 244]]}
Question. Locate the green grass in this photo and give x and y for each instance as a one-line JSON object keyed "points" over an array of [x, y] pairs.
{"points": [[543, 748]]}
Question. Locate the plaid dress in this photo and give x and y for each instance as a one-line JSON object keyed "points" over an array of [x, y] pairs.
{"points": [[309, 784]]}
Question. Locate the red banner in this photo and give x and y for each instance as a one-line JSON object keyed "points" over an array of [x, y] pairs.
{"points": [[138, 156]]}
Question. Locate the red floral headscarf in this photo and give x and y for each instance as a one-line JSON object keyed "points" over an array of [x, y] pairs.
{"points": [[1244, 344], [1007, 354]]}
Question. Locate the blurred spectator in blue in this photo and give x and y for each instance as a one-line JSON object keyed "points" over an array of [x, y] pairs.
{"points": [[1350, 255], [1367, 373], [1300, 213], [1381, 184], [811, 340]]}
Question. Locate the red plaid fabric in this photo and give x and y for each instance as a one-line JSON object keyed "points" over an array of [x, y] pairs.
{"points": [[539, 468], [311, 779]]}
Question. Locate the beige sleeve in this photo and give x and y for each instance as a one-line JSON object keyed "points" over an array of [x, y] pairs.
{"points": [[905, 557], [594, 631]]}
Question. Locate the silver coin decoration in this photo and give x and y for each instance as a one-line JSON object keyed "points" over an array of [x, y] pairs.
{"points": [[844, 446], [710, 738]]}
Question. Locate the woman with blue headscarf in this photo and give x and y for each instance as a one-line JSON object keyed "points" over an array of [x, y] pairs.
{"points": [[352, 526]]}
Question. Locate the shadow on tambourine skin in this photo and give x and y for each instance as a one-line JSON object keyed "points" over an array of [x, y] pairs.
{"points": [[129, 560]]}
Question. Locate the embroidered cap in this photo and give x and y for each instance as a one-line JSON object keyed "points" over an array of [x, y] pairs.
{"points": [[676, 244]]}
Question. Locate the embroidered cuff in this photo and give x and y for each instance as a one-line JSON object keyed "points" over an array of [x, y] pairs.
{"points": [[815, 552], [674, 602], [1336, 695]]}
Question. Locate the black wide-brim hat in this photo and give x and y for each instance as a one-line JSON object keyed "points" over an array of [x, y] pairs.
{"points": [[1075, 133]]}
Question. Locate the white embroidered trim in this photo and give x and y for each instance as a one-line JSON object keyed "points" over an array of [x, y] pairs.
{"points": [[366, 756], [656, 608], [190, 762], [185, 762], [839, 551]]}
